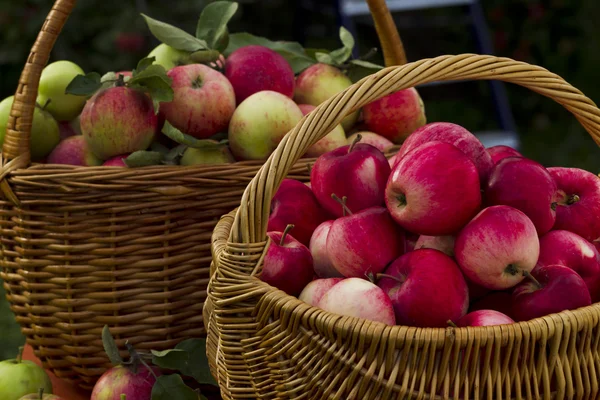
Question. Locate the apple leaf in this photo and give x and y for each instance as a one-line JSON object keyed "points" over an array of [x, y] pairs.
{"points": [[190, 141], [110, 347], [175, 154], [325, 58], [109, 76], [313, 52], [293, 52], [170, 359], [204, 56], [169, 387], [342, 54], [212, 24], [143, 64], [160, 148], [173, 36], [143, 158], [198, 367], [358, 69], [153, 79], [84, 85]]}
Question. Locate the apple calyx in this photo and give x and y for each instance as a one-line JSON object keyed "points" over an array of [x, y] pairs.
{"points": [[512, 269], [287, 229], [572, 199], [342, 201], [357, 139], [451, 323], [197, 83], [401, 200], [554, 205], [528, 275]]}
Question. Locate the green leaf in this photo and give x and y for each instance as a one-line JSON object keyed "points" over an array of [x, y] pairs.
{"points": [[109, 76], [346, 38], [313, 52], [153, 79], [173, 36], [342, 54], [170, 359], [160, 148], [293, 52], [212, 24], [366, 64], [143, 64], [358, 69], [84, 85], [110, 347], [143, 158], [190, 141], [204, 56], [169, 387], [197, 367], [175, 154], [324, 58]]}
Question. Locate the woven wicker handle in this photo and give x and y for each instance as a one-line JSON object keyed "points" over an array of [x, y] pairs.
{"points": [[252, 216]]}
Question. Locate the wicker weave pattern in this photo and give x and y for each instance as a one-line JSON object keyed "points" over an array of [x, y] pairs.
{"points": [[265, 344]]}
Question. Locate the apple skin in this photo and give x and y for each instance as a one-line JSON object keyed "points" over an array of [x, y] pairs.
{"points": [[570, 250], [410, 241], [501, 151], [476, 291], [315, 290], [116, 161], [318, 248], [73, 150], [379, 142], [69, 128], [36, 396], [561, 289], [118, 120], [334, 139], [445, 243], [54, 80], [484, 318], [364, 242], [318, 83], [294, 203], [453, 134], [356, 297], [19, 378], [219, 154], [421, 201], [259, 123], [287, 266], [431, 290], [527, 186], [169, 57], [203, 101], [497, 300], [578, 208], [252, 69], [396, 115], [45, 131], [122, 380], [497, 247], [360, 175]]}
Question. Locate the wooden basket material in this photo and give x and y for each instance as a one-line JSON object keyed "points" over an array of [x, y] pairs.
{"points": [[265, 344], [87, 246]]}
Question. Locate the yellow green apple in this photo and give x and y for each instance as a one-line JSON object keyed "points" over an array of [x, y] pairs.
{"points": [[169, 57], [217, 154], [54, 80], [21, 377]]}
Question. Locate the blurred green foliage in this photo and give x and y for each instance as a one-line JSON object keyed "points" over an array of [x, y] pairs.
{"points": [[560, 35]]}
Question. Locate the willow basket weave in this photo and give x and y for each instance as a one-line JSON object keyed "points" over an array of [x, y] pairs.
{"points": [[265, 344]]}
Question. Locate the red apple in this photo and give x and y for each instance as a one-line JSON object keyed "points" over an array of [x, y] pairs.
{"points": [[392, 160], [527, 186], [252, 69], [500, 301], [315, 290], [484, 318], [288, 264], [294, 203], [578, 208], [497, 247], [358, 172], [134, 384], [553, 289], [356, 297], [501, 151], [396, 115], [334, 139], [445, 244], [117, 161], [318, 249], [434, 190], [410, 241], [203, 101], [73, 150], [382, 144], [571, 250], [426, 288], [453, 134], [364, 242], [476, 291]]}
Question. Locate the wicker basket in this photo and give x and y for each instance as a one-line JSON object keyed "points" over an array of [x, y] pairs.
{"points": [[265, 344], [87, 246]]}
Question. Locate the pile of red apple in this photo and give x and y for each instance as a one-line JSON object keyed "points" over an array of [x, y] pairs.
{"points": [[445, 232]]}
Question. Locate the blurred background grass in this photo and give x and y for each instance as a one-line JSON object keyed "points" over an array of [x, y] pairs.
{"points": [[560, 35]]}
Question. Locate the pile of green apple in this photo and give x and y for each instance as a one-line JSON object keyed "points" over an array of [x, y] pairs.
{"points": [[209, 98]]}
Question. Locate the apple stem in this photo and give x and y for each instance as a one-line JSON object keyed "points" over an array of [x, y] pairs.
{"points": [[451, 323], [20, 354], [573, 199], [342, 201], [46, 104], [287, 229], [357, 139], [379, 276], [123, 396], [120, 80], [41, 393], [528, 275]]}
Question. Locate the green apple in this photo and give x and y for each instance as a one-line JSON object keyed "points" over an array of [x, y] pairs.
{"points": [[169, 57], [54, 80], [260, 122], [318, 83], [45, 133], [217, 154], [41, 396], [22, 377]]}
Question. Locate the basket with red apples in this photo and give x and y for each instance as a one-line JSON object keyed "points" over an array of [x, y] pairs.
{"points": [[450, 269]]}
